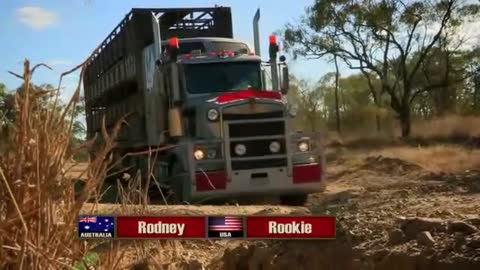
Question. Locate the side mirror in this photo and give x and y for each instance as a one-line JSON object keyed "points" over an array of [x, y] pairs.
{"points": [[285, 81]]}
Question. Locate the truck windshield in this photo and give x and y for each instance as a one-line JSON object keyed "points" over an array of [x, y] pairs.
{"points": [[229, 46], [222, 77]]}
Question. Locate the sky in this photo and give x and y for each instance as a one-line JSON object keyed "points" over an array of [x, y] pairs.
{"points": [[63, 33]]}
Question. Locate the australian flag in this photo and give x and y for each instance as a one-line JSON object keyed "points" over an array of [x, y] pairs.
{"points": [[96, 227], [225, 227]]}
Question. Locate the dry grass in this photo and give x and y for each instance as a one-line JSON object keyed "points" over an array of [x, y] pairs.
{"points": [[448, 129], [464, 130], [38, 211], [439, 158], [38, 205], [452, 126]]}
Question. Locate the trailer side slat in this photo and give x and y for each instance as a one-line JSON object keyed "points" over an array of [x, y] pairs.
{"points": [[114, 78]]}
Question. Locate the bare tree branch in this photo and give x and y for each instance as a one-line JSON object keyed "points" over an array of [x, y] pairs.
{"points": [[424, 53], [15, 74]]}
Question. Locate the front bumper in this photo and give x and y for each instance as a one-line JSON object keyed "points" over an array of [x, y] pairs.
{"points": [[306, 178]]}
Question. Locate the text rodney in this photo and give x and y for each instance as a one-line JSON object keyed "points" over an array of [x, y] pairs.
{"points": [[161, 228]]}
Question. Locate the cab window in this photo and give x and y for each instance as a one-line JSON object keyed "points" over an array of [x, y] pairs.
{"points": [[229, 46], [188, 47], [222, 77]]}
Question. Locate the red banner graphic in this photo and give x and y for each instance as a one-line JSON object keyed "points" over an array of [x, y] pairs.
{"points": [[161, 227], [293, 227]]}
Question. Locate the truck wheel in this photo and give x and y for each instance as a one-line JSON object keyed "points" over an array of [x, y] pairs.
{"points": [[294, 200]]}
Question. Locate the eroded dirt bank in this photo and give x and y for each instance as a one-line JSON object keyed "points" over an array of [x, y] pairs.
{"points": [[391, 213]]}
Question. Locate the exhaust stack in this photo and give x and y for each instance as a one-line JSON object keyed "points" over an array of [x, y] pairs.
{"points": [[256, 34]]}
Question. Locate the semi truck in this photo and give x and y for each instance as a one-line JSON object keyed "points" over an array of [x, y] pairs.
{"points": [[217, 114]]}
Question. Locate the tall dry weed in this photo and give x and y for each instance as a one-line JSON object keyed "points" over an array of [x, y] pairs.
{"points": [[38, 209]]}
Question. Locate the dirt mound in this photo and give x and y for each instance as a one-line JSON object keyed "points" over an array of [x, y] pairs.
{"points": [[427, 243], [389, 165], [273, 211], [468, 181], [415, 243], [293, 254]]}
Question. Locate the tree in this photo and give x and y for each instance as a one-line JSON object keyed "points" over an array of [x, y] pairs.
{"points": [[469, 96], [7, 109], [476, 86], [307, 98], [46, 102], [3, 90], [448, 75], [379, 38], [337, 109], [3, 97], [4, 102], [359, 113]]}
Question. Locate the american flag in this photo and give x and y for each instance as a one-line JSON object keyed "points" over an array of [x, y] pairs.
{"points": [[225, 224]]}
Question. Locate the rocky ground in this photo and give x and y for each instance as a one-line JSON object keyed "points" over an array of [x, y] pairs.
{"points": [[392, 214]]}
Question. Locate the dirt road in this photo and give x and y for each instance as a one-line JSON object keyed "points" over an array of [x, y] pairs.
{"points": [[392, 214]]}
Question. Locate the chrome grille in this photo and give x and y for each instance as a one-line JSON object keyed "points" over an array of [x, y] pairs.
{"points": [[266, 127]]}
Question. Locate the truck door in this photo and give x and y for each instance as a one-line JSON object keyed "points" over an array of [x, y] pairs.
{"points": [[266, 77], [267, 80]]}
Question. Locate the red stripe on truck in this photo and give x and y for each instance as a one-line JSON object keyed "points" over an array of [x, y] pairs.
{"points": [[306, 173], [246, 94], [211, 180]]}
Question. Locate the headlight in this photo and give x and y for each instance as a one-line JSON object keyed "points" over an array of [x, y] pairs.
{"points": [[211, 153], [303, 146], [212, 114], [240, 149], [199, 154], [274, 147]]}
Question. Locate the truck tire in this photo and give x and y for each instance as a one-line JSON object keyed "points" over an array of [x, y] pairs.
{"points": [[294, 200]]}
